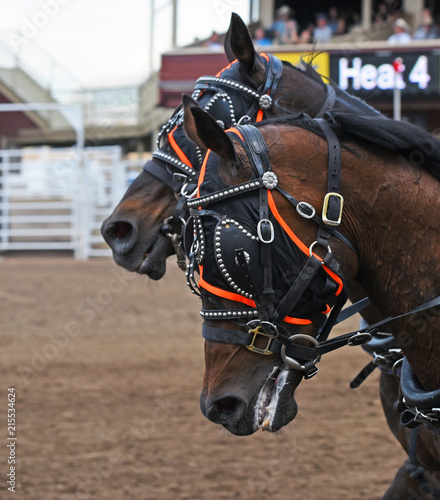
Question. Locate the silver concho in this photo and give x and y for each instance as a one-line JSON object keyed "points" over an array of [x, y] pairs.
{"points": [[270, 180], [221, 123], [265, 101]]}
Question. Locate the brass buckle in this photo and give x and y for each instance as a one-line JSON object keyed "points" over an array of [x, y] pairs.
{"points": [[258, 330], [325, 219]]}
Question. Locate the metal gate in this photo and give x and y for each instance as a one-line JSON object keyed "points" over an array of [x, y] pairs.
{"points": [[56, 199]]}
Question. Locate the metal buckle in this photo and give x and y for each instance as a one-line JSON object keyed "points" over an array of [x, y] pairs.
{"points": [[272, 232], [329, 250], [258, 330], [304, 205], [359, 338], [325, 219], [293, 363]]}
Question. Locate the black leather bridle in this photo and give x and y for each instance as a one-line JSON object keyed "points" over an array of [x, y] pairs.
{"points": [[231, 102], [266, 319]]}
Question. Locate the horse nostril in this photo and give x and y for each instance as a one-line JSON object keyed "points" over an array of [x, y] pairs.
{"points": [[227, 409], [120, 235], [121, 229], [226, 405]]}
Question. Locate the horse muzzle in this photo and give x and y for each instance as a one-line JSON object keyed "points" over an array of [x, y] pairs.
{"points": [[270, 406], [142, 254]]}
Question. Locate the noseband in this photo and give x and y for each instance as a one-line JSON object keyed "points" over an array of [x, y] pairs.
{"points": [[245, 254]]}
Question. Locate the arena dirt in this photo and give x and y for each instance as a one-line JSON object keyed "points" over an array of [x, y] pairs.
{"points": [[107, 368]]}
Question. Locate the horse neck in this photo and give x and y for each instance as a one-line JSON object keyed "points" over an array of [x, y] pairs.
{"points": [[300, 93], [391, 210]]}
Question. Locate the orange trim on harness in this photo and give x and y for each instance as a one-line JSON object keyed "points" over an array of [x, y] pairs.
{"points": [[202, 172], [299, 243], [235, 131], [239, 298], [225, 68], [297, 321], [223, 293], [284, 225], [177, 149]]}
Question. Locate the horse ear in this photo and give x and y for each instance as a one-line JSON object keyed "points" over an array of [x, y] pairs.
{"points": [[239, 45], [202, 129], [227, 42]]}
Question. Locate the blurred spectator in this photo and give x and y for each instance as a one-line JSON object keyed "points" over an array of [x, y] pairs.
{"points": [[214, 42], [285, 28], [261, 39], [382, 16], [401, 32], [336, 22], [427, 30], [354, 19], [322, 33], [306, 35], [394, 9]]}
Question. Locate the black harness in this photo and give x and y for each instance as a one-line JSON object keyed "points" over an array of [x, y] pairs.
{"points": [[240, 257]]}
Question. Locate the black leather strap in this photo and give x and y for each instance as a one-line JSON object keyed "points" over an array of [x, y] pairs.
{"points": [[160, 171], [296, 291], [413, 391], [318, 221], [236, 337], [328, 103], [274, 73]]}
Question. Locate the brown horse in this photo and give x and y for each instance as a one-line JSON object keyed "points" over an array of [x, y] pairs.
{"points": [[389, 183], [135, 230]]}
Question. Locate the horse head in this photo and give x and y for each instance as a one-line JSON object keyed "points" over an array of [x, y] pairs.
{"points": [[254, 304], [144, 228]]}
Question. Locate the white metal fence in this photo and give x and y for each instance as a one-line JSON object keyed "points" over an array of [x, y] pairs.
{"points": [[56, 199]]}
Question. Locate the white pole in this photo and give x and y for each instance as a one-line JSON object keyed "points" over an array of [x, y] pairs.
{"points": [[152, 14], [397, 102], [399, 68]]}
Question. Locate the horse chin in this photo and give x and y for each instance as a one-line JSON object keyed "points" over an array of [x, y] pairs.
{"points": [[274, 407], [153, 262], [148, 257]]}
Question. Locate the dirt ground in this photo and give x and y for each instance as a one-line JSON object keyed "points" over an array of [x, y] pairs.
{"points": [[107, 369]]}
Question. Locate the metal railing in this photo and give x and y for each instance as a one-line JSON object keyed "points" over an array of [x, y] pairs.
{"points": [[55, 199]]}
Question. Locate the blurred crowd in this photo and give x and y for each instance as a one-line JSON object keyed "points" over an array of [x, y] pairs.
{"points": [[286, 30], [327, 25], [427, 30]]}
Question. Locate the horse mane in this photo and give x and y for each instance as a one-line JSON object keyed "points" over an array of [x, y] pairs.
{"points": [[349, 100], [361, 123]]}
